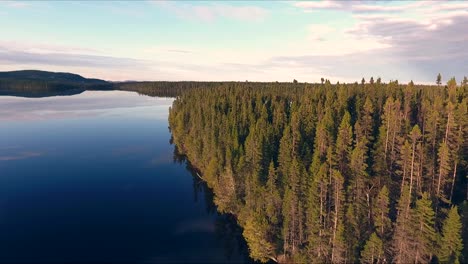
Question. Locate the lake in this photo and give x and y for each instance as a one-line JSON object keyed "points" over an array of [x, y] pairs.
{"points": [[93, 178]]}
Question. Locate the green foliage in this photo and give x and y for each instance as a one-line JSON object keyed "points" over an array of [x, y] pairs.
{"points": [[330, 173], [425, 235], [451, 243], [255, 233], [373, 250]]}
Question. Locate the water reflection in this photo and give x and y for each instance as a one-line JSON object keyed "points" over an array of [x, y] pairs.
{"points": [[93, 178], [86, 104], [225, 227]]}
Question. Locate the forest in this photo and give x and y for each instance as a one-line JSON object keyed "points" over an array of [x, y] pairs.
{"points": [[366, 172]]}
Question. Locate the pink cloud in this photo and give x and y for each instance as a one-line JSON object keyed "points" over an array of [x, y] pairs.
{"points": [[16, 4]]}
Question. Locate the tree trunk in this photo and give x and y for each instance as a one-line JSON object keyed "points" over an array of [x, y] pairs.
{"points": [[453, 179]]}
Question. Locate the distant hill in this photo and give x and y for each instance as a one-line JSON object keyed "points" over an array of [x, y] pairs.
{"points": [[56, 77], [33, 83]]}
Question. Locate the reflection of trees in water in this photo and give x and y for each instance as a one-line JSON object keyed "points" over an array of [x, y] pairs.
{"points": [[31, 93], [199, 186], [227, 231]]}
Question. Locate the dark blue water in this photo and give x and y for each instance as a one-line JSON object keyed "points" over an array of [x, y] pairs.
{"points": [[93, 178]]}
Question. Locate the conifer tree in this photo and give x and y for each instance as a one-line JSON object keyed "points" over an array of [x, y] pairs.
{"points": [[404, 232], [451, 243], [273, 199], [380, 212], [373, 251], [425, 235]]}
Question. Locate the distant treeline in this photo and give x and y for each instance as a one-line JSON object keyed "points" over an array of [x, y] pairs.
{"points": [[31, 87], [42, 88], [166, 89], [162, 88], [345, 173]]}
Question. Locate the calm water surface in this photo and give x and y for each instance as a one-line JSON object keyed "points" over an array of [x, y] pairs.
{"points": [[93, 178]]}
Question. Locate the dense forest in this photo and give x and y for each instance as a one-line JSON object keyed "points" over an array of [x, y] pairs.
{"points": [[162, 88], [368, 172]]}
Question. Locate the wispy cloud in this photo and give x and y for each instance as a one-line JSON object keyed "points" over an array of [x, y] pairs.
{"points": [[179, 51], [361, 6], [164, 49], [67, 59], [20, 156], [16, 4], [41, 47]]}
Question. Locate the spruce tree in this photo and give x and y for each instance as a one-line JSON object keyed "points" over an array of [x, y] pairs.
{"points": [[425, 235], [380, 212], [373, 251], [451, 243]]}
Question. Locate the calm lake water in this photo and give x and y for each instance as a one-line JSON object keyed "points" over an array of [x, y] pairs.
{"points": [[93, 178]]}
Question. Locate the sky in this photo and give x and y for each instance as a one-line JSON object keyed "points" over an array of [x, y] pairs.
{"points": [[239, 40]]}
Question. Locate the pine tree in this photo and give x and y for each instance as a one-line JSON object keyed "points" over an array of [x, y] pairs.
{"points": [[343, 144], [451, 243], [444, 169], [273, 199], [415, 135], [439, 79], [316, 230], [425, 234], [373, 251], [292, 219], [404, 232], [338, 246], [380, 212], [255, 233]]}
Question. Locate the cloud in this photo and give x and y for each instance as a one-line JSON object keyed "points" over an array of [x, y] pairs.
{"points": [[20, 156], [81, 60], [320, 32], [413, 40], [211, 12], [378, 6], [165, 49], [414, 49], [429, 40], [129, 150], [452, 6], [320, 4], [86, 104], [16, 4], [38, 47], [161, 159], [67, 59], [201, 225], [179, 51]]}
